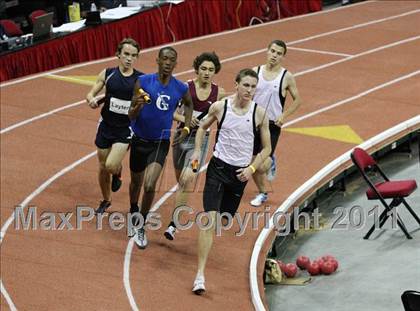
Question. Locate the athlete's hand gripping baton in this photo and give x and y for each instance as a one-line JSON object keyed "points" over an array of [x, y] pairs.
{"points": [[145, 96]]}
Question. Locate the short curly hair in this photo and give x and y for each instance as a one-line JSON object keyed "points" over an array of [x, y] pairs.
{"points": [[207, 56]]}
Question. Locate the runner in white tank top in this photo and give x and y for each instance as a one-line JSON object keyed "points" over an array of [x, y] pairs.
{"points": [[268, 93], [239, 119], [273, 85], [234, 136]]}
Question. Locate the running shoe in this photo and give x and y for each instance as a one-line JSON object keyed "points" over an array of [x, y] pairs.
{"points": [[102, 207], [140, 238], [170, 233], [116, 182], [259, 199], [198, 286], [271, 174]]}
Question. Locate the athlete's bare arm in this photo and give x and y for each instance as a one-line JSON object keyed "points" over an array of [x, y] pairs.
{"points": [[178, 117], [137, 102], [96, 88], [292, 89], [215, 114], [188, 110]]}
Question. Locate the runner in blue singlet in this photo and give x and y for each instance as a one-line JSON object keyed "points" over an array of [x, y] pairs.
{"points": [[152, 125]]}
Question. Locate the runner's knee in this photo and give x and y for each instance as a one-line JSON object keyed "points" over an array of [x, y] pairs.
{"points": [[149, 185], [102, 167]]}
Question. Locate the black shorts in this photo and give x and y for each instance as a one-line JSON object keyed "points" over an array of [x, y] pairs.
{"points": [[108, 135], [274, 137], [143, 152], [223, 190]]}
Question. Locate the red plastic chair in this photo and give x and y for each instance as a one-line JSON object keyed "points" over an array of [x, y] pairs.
{"points": [[11, 28], [387, 189], [36, 14]]}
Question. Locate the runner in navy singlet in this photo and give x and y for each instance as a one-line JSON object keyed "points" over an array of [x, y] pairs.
{"points": [[114, 133], [203, 93], [151, 124]]}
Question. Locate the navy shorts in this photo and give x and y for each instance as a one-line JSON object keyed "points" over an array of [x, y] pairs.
{"points": [[223, 190], [107, 135], [274, 138], [143, 152]]}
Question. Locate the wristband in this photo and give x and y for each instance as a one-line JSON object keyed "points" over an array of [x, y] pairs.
{"points": [[252, 168], [186, 128]]}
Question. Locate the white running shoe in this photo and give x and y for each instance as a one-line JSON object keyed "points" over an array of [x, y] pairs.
{"points": [[198, 286], [271, 174], [140, 238], [170, 233], [132, 230], [259, 199]]}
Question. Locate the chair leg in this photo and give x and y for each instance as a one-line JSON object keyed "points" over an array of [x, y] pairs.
{"points": [[404, 229], [382, 219], [411, 211], [388, 214], [385, 215]]}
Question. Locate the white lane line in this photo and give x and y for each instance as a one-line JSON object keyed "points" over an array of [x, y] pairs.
{"points": [[7, 297], [126, 275], [129, 249], [40, 116], [359, 55], [43, 115], [376, 21], [345, 101], [70, 67], [318, 51]]}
